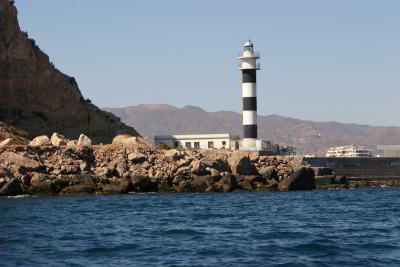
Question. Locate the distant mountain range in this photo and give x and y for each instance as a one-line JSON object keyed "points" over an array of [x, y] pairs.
{"points": [[306, 136]]}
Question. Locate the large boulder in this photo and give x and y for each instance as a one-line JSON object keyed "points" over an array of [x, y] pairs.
{"points": [[241, 164], [216, 160], [12, 188], [144, 184], [80, 189], [42, 140], [325, 180], [120, 138], [41, 185], [227, 183], [173, 154], [121, 168], [72, 144], [268, 173], [198, 168], [19, 161], [121, 186], [84, 141], [340, 179], [58, 140], [137, 157], [6, 142], [302, 178], [128, 140]]}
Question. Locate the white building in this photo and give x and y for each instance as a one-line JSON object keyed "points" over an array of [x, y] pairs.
{"points": [[349, 152], [199, 141]]}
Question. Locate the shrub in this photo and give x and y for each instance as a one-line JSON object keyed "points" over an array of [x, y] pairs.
{"points": [[163, 147]]}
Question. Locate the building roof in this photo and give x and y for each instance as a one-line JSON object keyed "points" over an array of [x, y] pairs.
{"points": [[388, 147], [248, 44], [196, 136]]}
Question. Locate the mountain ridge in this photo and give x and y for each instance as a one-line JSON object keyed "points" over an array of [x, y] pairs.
{"points": [[308, 136]]}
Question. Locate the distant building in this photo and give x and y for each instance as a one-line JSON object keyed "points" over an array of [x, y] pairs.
{"points": [[287, 150], [390, 151], [349, 152], [199, 141]]}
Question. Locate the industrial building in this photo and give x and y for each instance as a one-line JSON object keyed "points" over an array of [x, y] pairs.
{"points": [[390, 151]]}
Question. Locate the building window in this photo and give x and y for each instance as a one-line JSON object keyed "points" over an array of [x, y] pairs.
{"points": [[176, 144], [188, 145], [196, 144], [210, 144]]}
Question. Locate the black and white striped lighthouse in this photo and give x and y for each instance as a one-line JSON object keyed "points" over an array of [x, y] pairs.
{"points": [[249, 65]]}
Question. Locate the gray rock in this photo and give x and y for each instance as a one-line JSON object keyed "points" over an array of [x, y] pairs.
{"points": [[19, 160], [12, 188], [302, 179], [72, 144], [41, 185], [58, 140], [122, 186], [268, 173], [5, 142], [228, 183], [84, 141], [144, 184], [80, 189], [42, 140], [240, 163], [340, 180], [137, 157], [198, 168], [121, 168]]}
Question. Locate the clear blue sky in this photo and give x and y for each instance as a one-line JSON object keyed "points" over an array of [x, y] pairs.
{"points": [[321, 60]]}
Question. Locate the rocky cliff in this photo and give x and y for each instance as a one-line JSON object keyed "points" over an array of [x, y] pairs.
{"points": [[38, 98]]}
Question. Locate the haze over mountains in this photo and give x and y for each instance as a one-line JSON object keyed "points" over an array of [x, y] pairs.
{"points": [[307, 136]]}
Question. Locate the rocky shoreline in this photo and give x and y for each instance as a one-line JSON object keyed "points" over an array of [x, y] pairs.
{"points": [[129, 165]]}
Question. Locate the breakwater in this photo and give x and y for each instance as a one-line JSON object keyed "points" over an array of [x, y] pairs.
{"points": [[130, 168], [369, 168]]}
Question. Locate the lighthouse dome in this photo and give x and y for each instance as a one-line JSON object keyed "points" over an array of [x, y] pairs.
{"points": [[248, 44]]}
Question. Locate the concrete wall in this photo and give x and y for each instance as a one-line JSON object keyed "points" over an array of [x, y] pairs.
{"points": [[217, 142], [359, 167]]}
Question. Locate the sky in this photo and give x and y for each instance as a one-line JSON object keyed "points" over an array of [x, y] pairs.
{"points": [[320, 60]]}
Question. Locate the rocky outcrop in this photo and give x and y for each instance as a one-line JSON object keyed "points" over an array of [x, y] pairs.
{"points": [[301, 179], [119, 169], [42, 140], [38, 99]]}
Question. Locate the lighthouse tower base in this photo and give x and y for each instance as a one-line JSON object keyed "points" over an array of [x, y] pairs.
{"points": [[262, 147]]}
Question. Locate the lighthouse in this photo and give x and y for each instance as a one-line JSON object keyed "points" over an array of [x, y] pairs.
{"points": [[248, 65]]}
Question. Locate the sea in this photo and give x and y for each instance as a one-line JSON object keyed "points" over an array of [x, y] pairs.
{"points": [[359, 227]]}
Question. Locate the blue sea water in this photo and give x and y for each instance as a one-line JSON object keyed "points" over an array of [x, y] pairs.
{"points": [[315, 228]]}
